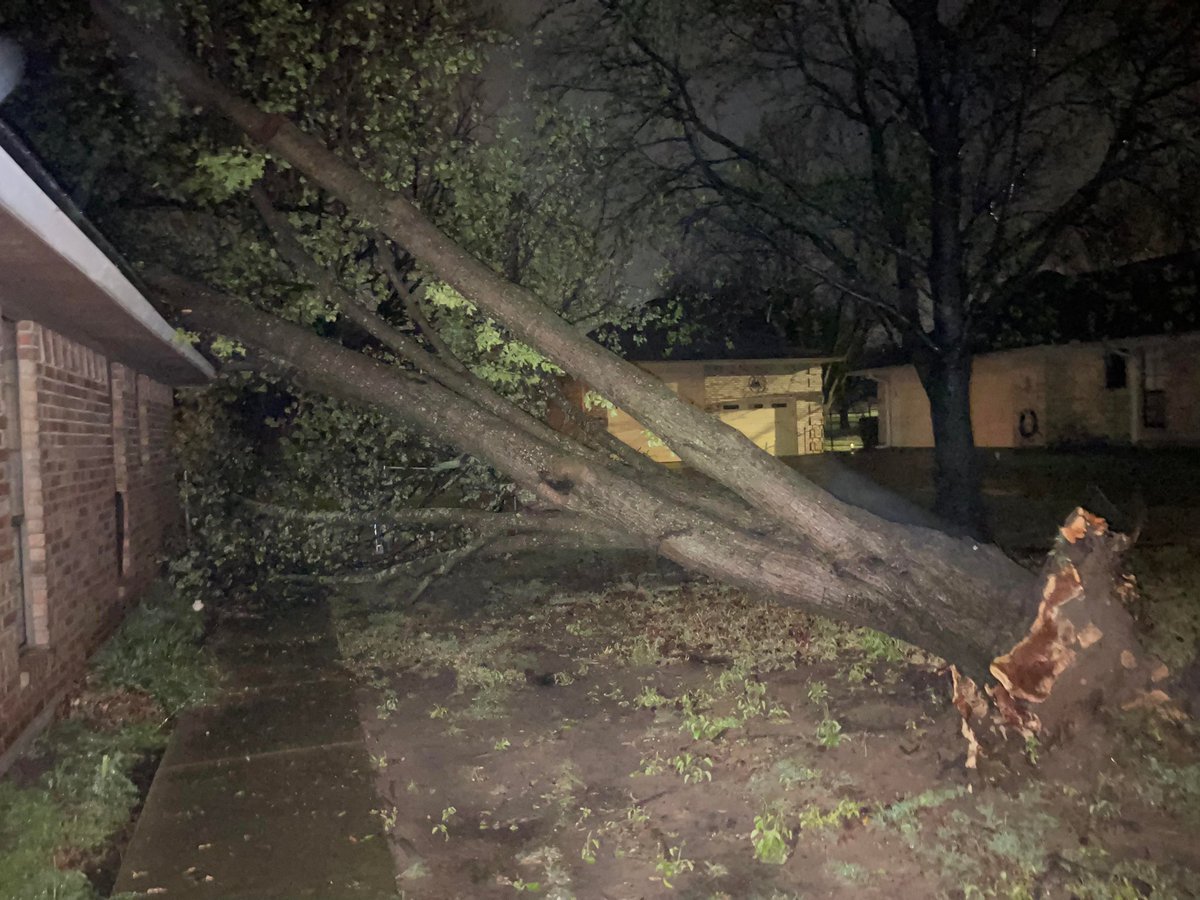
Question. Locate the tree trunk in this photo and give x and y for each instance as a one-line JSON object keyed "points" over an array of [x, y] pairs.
{"points": [[961, 600], [1050, 651], [945, 367], [957, 473]]}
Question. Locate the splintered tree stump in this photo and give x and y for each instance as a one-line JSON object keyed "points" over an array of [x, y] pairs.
{"points": [[1080, 656]]}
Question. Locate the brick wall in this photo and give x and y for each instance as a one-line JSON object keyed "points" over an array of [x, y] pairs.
{"points": [[88, 431]]}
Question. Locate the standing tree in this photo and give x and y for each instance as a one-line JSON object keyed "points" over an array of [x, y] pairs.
{"points": [[1061, 643], [924, 158]]}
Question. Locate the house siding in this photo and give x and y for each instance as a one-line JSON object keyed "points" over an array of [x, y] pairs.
{"points": [[88, 430], [1183, 396], [1080, 408], [1065, 387]]}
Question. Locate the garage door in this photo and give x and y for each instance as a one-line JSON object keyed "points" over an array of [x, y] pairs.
{"points": [[756, 424]]}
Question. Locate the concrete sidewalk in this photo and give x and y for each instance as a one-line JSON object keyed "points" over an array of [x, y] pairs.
{"points": [[267, 793]]}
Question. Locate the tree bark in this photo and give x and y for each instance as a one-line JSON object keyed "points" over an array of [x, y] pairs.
{"points": [[957, 472], [965, 602], [945, 367]]}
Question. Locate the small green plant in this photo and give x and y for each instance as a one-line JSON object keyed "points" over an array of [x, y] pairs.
{"points": [[848, 872], [859, 671], [812, 818], [903, 814], [649, 767], [792, 772], [590, 847], [715, 869], [770, 839], [649, 698], [579, 629], [705, 728], [443, 827], [1032, 749], [438, 712], [388, 817], [692, 768], [818, 692], [671, 865], [829, 732], [644, 652], [501, 744], [753, 701]]}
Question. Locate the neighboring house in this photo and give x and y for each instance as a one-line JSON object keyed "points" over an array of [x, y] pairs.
{"points": [[1140, 390], [777, 403], [1117, 360], [87, 488]]}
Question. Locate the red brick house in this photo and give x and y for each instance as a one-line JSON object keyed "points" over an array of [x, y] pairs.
{"points": [[87, 488]]}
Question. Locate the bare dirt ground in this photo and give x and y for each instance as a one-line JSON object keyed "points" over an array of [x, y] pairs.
{"points": [[654, 736]]}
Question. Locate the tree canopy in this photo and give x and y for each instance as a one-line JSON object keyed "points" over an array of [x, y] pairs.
{"points": [[401, 91]]}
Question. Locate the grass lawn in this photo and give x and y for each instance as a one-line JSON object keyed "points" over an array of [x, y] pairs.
{"points": [[662, 737], [67, 806]]}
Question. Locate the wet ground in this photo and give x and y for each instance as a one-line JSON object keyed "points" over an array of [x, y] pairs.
{"points": [[268, 793], [583, 734], [576, 728], [662, 740]]}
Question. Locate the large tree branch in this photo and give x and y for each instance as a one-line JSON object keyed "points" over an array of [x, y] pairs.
{"points": [[447, 517], [663, 501], [456, 378], [913, 586], [412, 305], [694, 124], [887, 194], [463, 382]]}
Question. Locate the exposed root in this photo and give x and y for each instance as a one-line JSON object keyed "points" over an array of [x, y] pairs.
{"points": [[1081, 653]]}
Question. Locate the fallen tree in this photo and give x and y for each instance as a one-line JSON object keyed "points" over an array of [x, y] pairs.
{"points": [[1031, 653]]}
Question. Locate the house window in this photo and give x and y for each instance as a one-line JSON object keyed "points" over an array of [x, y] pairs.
{"points": [[1154, 388], [1115, 377]]}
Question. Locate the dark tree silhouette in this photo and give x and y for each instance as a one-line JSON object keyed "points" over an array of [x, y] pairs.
{"points": [[924, 159]]}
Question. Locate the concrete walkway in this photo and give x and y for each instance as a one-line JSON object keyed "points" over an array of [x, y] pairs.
{"points": [[268, 793]]}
